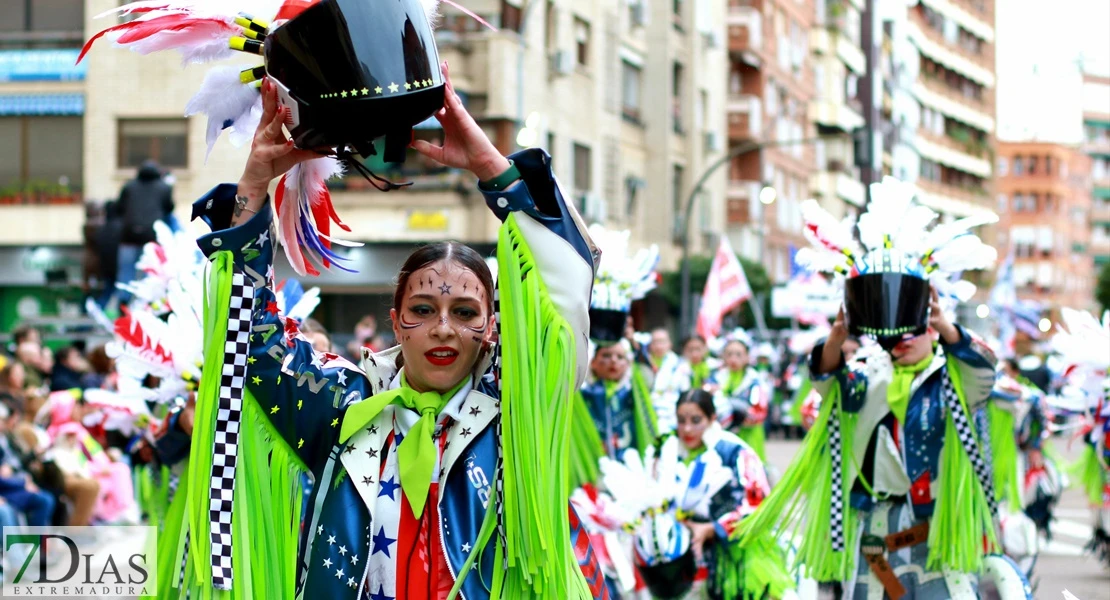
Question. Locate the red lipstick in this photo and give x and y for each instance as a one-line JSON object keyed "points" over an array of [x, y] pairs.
{"points": [[442, 356]]}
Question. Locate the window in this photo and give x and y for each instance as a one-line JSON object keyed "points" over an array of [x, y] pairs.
{"points": [[162, 140], [583, 177], [677, 186], [631, 85], [550, 29], [510, 15], [43, 162], [1003, 203], [676, 13], [1032, 167], [678, 78], [582, 41], [1048, 165], [1003, 166], [57, 23], [1019, 165]]}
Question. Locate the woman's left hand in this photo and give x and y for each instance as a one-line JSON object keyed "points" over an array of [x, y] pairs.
{"points": [[700, 533], [465, 145]]}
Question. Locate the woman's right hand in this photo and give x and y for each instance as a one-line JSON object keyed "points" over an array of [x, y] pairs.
{"points": [[272, 152], [831, 353]]}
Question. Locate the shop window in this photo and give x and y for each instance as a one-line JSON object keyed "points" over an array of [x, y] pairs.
{"points": [[162, 140]]}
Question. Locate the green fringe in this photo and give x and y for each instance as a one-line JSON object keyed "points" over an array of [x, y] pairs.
{"points": [[586, 446], [755, 436], [537, 386], [267, 501], [1004, 456], [800, 397], [153, 498], [798, 507], [1088, 472], [645, 421], [962, 520], [753, 572], [171, 538]]}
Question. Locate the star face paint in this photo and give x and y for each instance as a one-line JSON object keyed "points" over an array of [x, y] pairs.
{"points": [[442, 324]]}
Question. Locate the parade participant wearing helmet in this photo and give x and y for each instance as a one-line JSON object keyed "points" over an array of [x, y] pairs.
{"points": [[614, 410], [906, 489], [743, 393]]}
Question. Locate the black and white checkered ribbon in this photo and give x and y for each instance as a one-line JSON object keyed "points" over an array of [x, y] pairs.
{"points": [[966, 430], [836, 504], [228, 419], [500, 470]]}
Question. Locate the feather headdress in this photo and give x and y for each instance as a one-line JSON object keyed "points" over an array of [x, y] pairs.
{"points": [[204, 31], [621, 278], [1084, 345], [896, 234]]}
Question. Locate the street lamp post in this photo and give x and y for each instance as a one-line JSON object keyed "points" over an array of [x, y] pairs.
{"points": [[684, 316]]}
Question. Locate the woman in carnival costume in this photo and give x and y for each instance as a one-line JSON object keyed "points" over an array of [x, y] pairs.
{"points": [[439, 457], [614, 409], [1085, 347], [743, 392], [697, 363], [891, 490], [663, 370], [681, 507]]}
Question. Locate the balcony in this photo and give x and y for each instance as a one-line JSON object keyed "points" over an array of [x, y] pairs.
{"points": [[745, 117], [833, 43], [952, 154], [835, 114], [836, 184], [55, 224], [745, 31], [740, 196], [933, 46], [936, 95], [951, 200]]}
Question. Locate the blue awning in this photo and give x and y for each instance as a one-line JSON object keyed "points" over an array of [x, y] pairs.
{"points": [[42, 65], [42, 105]]}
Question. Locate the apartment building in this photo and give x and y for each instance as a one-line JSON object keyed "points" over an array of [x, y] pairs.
{"points": [[955, 88], [1096, 144], [1044, 199], [771, 93]]}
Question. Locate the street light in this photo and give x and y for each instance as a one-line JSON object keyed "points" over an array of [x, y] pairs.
{"points": [[684, 226], [982, 311], [768, 195], [1045, 325]]}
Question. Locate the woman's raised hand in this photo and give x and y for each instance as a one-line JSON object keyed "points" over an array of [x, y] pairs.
{"points": [[465, 145], [272, 152]]}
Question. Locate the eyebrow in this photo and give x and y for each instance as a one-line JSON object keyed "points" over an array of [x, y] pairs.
{"points": [[432, 298]]}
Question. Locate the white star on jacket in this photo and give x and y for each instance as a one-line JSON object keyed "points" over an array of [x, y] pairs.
{"points": [[341, 375], [263, 238]]}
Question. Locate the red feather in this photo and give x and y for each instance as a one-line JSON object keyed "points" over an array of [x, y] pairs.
{"points": [[280, 193], [334, 216], [292, 8], [136, 31], [321, 217], [130, 331]]}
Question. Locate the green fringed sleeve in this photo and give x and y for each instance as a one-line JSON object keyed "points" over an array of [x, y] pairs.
{"points": [[962, 522], [645, 421], [586, 446], [1088, 471], [1004, 455], [267, 498], [539, 355], [752, 572], [798, 508]]}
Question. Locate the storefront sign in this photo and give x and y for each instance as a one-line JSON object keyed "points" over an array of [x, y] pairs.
{"points": [[427, 220], [41, 65]]}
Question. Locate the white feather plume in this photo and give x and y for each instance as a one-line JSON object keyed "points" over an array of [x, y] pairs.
{"points": [[964, 253], [622, 277], [228, 104], [824, 231]]}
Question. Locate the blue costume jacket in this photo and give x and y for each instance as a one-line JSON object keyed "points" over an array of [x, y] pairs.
{"points": [[613, 415], [901, 460], [306, 396]]}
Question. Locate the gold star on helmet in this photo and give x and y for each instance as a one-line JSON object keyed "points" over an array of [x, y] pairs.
{"points": [[343, 93], [408, 86], [365, 92], [354, 93], [393, 88], [428, 82], [416, 83], [378, 90]]}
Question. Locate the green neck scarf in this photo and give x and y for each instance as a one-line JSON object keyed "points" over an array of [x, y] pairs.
{"points": [[898, 392], [735, 378], [701, 374], [416, 456]]}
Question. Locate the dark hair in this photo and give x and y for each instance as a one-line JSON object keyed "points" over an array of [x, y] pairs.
{"points": [[463, 255], [63, 354], [22, 333], [100, 361], [691, 338], [700, 397], [731, 341]]}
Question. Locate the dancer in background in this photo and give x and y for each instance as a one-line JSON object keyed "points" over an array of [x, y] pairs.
{"points": [[743, 393]]}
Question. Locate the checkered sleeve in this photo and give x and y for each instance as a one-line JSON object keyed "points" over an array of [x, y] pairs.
{"points": [[976, 362], [303, 392]]}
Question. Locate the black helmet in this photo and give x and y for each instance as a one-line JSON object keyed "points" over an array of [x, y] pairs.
{"points": [[888, 306], [352, 71], [671, 579]]}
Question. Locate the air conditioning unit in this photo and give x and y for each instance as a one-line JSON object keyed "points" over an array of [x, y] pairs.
{"points": [[592, 207], [712, 39], [562, 62], [714, 141]]}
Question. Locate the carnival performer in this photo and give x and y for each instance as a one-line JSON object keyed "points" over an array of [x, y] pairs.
{"points": [[730, 572], [1084, 345], [614, 406], [743, 393], [891, 489], [697, 364], [663, 370]]}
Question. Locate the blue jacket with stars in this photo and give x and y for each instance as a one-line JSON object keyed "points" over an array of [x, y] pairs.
{"points": [[306, 395], [900, 460], [613, 415]]}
